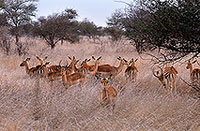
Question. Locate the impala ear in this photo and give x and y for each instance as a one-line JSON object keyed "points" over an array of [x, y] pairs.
{"points": [[88, 60], [73, 57], [45, 57], [99, 58], [109, 77], [93, 58], [97, 76], [38, 57], [59, 68], [28, 59], [77, 61], [136, 60], [194, 61], [69, 57], [131, 60], [118, 58], [125, 60], [47, 63]]}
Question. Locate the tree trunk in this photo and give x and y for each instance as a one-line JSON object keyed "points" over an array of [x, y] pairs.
{"points": [[52, 44]]}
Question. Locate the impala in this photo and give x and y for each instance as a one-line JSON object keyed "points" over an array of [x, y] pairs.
{"points": [[32, 71], [131, 70], [53, 68], [90, 69], [71, 79], [108, 69], [71, 66], [194, 73], [108, 94], [168, 75], [50, 76], [77, 69], [42, 61]]}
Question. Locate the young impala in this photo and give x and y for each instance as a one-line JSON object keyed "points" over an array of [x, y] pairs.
{"points": [[194, 73], [71, 79], [108, 95], [107, 69], [131, 70], [167, 76], [30, 71], [90, 69]]}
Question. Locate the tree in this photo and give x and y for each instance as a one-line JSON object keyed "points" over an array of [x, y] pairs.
{"points": [[115, 26], [172, 25], [3, 20], [57, 27], [18, 13], [89, 29]]}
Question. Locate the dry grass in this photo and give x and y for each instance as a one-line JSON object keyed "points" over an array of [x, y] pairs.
{"points": [[30, 104]]}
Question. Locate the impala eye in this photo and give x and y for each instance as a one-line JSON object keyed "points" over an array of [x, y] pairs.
{"points": [[41, 71]]}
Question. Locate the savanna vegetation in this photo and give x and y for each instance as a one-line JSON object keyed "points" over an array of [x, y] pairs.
{"points": [[144, 35]]}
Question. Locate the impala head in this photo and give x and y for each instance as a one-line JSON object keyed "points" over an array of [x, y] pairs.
{"points": [[72, 59], [97, 58], [132, 61], [41, 70], [42, 60], [104, 81], [189, 64], [24, 62], [122, 60], [85, 62], [63, 68], [159, 74]]}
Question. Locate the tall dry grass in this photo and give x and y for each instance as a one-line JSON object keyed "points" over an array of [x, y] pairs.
{"points": [[30, 104]]}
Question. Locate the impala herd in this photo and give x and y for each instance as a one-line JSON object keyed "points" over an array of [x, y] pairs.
{"points": [[70, 74]]}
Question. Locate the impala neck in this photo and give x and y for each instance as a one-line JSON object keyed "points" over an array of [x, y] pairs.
{"points": [[27, 67], [46, 72], [119, 68], [104, 93], [191, 68], [96, 65], [41, 62], [75, 68], [64, 79], [71, 66], [133, 64]]}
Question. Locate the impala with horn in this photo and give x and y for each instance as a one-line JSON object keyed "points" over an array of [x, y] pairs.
{"points": [[90, 69], [107, 69], [71, 79], [108, 95], [166, 76], [131, 70], [30, 71]]}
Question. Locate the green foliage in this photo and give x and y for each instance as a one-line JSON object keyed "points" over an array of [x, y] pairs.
{"points": [[170, 25], [89, 29], [57, 27], [115, 25], [18, 13]]}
